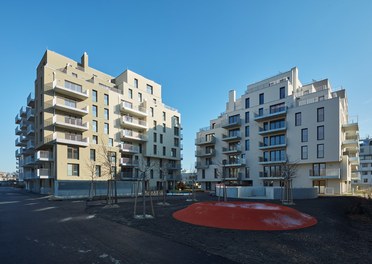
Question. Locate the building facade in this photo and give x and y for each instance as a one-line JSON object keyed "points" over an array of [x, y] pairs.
{"points": [[365, 168], [280, 121], [83, 124]]}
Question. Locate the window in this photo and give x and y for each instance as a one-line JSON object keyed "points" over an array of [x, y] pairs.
{"points": [[72, 169], [320, 114], [164, 151], [111, 142], [95, 111], [155, 124], [135, 83], [155, 137], [152, 111], [164, 128], [319, 169], [95, 140], [74, 74], [365, 180], [234, 119], [320, 151], [106, 114], [94, 126], [174, 152], [247, 117], [94, 96], [151, 174], [72, 152], [247, 131], [93, 154], [176, 131], [281, 92], [176, 142], [232, 133], [106, 99], [154, 100], [298, 119], [260, 112], [304, 154], [216, 173], [247, 173], [304, 135], [161, 138], [139, 97], [164, 116], [155, 150], [203, 174], [261, 99], [106, 128], [149, 89], [130, 93], [247, 103], [247, 144], [98, 171], [73, 86], [320, 132]]}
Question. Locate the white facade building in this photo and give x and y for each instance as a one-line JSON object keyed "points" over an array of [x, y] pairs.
{"points": [[365, 164], [279, 119]]}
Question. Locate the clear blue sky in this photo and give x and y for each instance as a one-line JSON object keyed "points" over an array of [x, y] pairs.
{"points": [[198, 50]]}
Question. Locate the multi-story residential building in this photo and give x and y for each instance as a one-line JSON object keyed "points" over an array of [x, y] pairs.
{"points": [[365, 167], [78, 113], [278, 120]]}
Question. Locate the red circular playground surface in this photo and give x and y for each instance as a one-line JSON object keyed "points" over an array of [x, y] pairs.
{"points": [[244, 216]]}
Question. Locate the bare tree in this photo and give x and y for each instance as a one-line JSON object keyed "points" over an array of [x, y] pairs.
{"points": [[108, 166], [192, 177], [288, 172], [163, 170], [221, 174], [144, 168], [92, 168]]}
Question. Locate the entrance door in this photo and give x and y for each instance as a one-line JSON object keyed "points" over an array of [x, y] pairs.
{"points": [[320, 185]]}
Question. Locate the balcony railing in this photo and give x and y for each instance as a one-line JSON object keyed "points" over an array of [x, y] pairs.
{"points": [[69, 106], [67, 122], [18, 131], [43, 155], [129, 148], [205, 153], [22, 111], [30, 129], [30, 114], [263, 160], [70, 89], [67, 138], [129, 134], [129, 121], [264, 174], [271, 130], [234, 149], [129, 162], [30, 100], [18, 119], [234, 162], [44, 173], [325, 173], [173, 166], [268, 146], [234, 136], [269, 113], [205, 140], [227, 123], [136, 110]]}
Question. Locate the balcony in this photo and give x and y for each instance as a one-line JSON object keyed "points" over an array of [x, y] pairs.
{"points": [[133, 135], [263, 131], [71, 89], [43, 155], [173, 166], [68, 139], [30, 129], [209, 140], [325, 174], [351, 125], [29, 161], [19, 152], [355, 176], [18, 131], [44, 174], [127, 107], [18, 119], [205, 153], [69, 106], [69, 123], [226, 123], [265, 176], [30, 114], [23, 124], [128, 148], [351, 143], [354, 160], [232, 150], [133, 122], [21, 141], [22, 112], [234, 163], [232, 137], [30, 144], [30, 100], [263, 146], [264, 161], [270, 113], [128, 162]]}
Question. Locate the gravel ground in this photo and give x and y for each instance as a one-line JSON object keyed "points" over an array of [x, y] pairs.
{"points": [[343, 233]]}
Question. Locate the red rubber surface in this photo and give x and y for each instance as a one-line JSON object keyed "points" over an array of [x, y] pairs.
{"points": [[244, 216]]}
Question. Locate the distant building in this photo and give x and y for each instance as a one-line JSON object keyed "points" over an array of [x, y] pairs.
{"points": [[277, 120], [77, 111], [365, 168]]}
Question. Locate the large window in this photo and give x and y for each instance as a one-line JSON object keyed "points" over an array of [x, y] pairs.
{"points": [[234, 119], [320, 114], [298, 119], [319, 169], [261, 99], [304, 135], [94, 96], [73, 86], [72, 169], [320, 151], [320, 132], [304, 152], [72, 152]]}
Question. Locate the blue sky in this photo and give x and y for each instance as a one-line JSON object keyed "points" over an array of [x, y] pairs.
{"points": [[197, 50]]}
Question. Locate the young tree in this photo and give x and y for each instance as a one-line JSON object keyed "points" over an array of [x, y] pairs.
{"points": [[221, 174], [109, 163], [288, 172], [92, 169]]}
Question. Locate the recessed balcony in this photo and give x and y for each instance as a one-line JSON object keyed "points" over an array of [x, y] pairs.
{"points": [[30, 100], [44, 173], [129, 148], [70, 89], [68, 139], [325, 174], [133, 135], [43, 155], [133, 122], [209, 140], [205, 153], [264, 161], [270, 113], [127, 107], [70, 123]]}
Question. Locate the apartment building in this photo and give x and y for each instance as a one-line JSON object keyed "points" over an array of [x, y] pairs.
{"points": [[365, 168], [83, 124], [276, 121]]}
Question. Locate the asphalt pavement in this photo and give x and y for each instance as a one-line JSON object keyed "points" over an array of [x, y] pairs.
{"points": [[34, 229]]}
